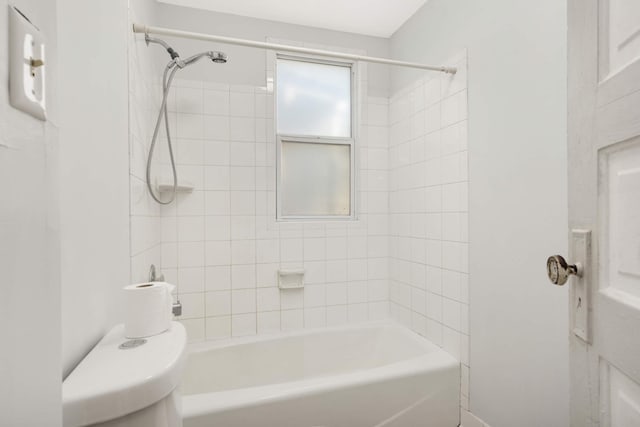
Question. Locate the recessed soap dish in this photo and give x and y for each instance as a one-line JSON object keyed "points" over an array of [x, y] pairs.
{"points": [[182, 187], [291, 279]]}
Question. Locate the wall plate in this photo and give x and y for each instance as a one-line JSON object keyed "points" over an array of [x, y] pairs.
{"points": [[580, 288], [26, 65]]}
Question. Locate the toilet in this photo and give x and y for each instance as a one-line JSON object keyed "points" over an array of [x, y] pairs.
{"points": [[128, 383]]}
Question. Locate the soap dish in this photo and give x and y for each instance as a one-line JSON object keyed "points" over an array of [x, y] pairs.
{"points": [[182, 187], [291, 279]]}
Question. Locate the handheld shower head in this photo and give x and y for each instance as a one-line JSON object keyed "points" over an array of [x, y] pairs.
{"points": [[170, 70], [218, 57]]}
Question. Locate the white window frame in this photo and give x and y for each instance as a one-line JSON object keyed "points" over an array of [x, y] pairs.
{"points": [[307, 139]]}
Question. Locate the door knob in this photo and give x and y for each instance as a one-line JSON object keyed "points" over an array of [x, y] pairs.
{"points": [[559, 270]]}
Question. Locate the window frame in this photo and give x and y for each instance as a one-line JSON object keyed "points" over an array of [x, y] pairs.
{"points": [[311, 139]]}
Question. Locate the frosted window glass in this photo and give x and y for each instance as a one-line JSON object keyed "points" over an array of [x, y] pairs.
{"points": [[315, 179], [313, 99]]}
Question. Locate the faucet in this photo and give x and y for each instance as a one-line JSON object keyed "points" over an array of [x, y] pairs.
{"points": [[153, 276], [176, 307]]}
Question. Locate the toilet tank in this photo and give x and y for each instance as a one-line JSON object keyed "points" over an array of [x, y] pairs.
{"points": [[127, 383]]}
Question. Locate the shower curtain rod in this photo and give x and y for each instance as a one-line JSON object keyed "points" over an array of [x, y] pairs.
{"points": [[139, 28]]}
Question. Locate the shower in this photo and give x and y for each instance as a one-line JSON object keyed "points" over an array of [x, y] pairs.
{"points": [[174, 65]]}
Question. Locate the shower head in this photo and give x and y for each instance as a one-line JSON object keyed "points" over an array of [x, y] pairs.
{"points": [[218, 57]]}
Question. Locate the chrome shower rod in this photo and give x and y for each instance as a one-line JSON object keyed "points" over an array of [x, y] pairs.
{"points": [[144, 29]]}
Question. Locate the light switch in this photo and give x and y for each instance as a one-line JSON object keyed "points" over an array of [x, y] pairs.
{"points": [[26, 65]]}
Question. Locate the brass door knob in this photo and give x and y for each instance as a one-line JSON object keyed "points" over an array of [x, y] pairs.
{"points": [[559, 270]]}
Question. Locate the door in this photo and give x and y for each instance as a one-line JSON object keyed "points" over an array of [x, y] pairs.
{"points": [[604, 209]]}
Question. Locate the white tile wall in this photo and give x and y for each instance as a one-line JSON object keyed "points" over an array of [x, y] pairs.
{"points": [[407, 254], [145, 68], [429, 212], [221, 244]]}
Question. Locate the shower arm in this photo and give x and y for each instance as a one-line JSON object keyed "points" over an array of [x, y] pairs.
{"points": [[144, 29], [149, 39], [174, 55]]}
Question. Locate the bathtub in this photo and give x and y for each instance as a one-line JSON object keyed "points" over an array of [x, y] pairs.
{"points": [[355, 376]]}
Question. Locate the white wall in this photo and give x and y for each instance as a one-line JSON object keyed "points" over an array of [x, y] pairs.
{"points": [[94, 170], [518, 214], [29, 274], [222, 246]]}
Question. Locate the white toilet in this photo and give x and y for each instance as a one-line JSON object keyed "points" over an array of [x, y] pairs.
{"points": [[128, 383]]}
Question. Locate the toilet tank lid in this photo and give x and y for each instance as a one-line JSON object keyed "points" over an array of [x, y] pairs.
{"points": [[111, 382]]}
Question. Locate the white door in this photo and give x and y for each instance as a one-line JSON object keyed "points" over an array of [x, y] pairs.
{"points": [[604, 207]]}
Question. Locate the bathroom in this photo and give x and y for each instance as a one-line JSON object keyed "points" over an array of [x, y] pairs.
{"points": [[412, 288]]}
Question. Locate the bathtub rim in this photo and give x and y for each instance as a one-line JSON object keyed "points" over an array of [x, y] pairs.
{"points": [[201, 346]]}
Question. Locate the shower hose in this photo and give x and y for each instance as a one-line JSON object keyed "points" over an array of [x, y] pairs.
{"points": [[167, 78]]}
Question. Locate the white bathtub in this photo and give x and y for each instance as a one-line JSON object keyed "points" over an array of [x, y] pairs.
{"points": [[363, 376]]}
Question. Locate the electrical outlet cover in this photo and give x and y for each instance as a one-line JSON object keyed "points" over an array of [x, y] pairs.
{"points": [[26, 65]]}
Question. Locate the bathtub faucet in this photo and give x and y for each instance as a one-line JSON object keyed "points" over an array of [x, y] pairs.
{"points": [[176, 307]]}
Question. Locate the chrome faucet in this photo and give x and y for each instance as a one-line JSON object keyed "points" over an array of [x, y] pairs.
{"points": [[153, 276], [176, 307]]}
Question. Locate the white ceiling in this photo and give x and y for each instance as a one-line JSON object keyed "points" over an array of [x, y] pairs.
{"points": [[379, 18]]}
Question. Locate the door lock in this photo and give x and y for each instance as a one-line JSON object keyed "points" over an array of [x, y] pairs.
{"points": [[559, 270]]}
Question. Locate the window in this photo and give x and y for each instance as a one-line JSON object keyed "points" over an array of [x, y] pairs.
{"points": [[314, 125]]}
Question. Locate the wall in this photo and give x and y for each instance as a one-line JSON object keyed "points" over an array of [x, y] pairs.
{"points": [[428, 215], [518, 214], [222, 246], [29, 242], [94, 166]]}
